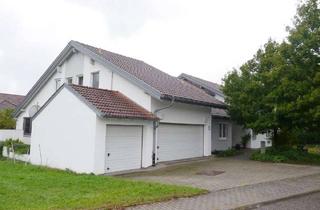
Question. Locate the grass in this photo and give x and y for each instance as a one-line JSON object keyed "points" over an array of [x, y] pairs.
{"points": [[32, 187], [288, 155]]}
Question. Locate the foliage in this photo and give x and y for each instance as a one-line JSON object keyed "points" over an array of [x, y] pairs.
{"points": [[6, 119], [288, 155], [1, 149], [245, 139], [313, 149], [279, 88], [227, 153], [31, 187], [18, 146]]}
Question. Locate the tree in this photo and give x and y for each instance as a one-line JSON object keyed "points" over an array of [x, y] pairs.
{"points": [[6, 119], [279, 89], [249, 92]]}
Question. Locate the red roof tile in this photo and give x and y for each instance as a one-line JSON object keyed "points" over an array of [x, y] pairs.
{"points": [[113, 104]]}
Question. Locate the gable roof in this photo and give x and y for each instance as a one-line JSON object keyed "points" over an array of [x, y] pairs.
{"points": [[113, 104], [106, 103], [212, 87], [153, 81], [10, 101]]}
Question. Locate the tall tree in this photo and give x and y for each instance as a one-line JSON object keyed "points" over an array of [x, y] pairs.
{"points": [[279, 88]]}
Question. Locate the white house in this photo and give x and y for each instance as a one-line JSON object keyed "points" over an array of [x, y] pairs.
{"points": [[95, 111]]}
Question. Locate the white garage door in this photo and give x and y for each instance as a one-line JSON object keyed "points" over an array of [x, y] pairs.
{"points": [[176, 141], [123, 147]]}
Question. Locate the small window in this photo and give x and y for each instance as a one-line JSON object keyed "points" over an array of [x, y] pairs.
{"points": [[58, 83], [92, 61], [27, 126], [95, 79], [80, 80], [223, 131], [69, 80]]}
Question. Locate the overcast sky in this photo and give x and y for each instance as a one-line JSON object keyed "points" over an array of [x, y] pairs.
{"points": [[205, 38]]}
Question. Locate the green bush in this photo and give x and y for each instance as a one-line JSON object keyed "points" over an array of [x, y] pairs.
{"points": [[1, 148], [18, 146], [286, 154], [227, 153]]}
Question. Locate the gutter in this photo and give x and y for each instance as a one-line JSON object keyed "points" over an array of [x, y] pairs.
{"points": [[155, 126]]}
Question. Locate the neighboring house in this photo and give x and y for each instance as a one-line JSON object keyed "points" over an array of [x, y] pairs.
{"points": [[97, 111], [225, 133], [10, 101]]}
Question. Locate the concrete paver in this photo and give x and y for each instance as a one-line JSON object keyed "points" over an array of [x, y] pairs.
{"points": [[241, 196], [242, 183]]}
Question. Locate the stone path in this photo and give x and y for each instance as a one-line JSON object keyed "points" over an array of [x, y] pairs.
{"points": [[241, 196]]}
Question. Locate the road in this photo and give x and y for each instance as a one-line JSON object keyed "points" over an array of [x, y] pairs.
{"points": [[306, 202]]}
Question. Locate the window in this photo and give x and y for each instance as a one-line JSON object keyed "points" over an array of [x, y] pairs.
{"points": [[58, 83], [223, 131], [69, 80], [95, 79], [27, 126], [80, 80]]}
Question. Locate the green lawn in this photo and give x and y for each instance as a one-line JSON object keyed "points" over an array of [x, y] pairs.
{"points": [[31, 187]]}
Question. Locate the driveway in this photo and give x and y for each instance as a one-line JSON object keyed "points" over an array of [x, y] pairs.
{"points": [[216, 174], [233, 183]]}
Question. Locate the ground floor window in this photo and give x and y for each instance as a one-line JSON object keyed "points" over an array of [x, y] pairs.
{"points": [[223, 131], [27, 126]]}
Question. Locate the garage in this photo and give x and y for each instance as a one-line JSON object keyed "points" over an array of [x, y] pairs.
{"points": [[179, 141], [123, 147]]}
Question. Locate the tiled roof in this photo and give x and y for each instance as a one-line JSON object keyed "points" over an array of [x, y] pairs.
{"points": [[167, 85], [113, 104], [10, 101], [211, 86]]}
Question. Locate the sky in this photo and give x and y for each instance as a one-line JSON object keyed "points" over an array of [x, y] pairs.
{"points": [[204, 38]]}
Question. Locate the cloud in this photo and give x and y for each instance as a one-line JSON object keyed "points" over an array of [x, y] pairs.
{"points": [[204, 38]]}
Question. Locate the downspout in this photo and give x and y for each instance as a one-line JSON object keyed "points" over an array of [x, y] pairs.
{"points": [[155, 126]]}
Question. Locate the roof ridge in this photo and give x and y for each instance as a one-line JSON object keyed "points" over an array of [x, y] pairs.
{"points": [[99, 48]]}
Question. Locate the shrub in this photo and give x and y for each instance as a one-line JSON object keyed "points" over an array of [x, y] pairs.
{"points": [[286, 154], [18, 146], [1, 148], [227, 153]]}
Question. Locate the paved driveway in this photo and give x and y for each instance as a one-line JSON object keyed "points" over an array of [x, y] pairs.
{"points": [[216, 174]]}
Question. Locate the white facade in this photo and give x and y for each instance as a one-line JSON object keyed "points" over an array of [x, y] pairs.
{"points": [[257, 140], [68, 134], [63, 134]]}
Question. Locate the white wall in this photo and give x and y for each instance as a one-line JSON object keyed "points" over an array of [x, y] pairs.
{"points": [[113, 81], [255, 143], [187, 114], [63, 134], [100, 141], [72, 67]]}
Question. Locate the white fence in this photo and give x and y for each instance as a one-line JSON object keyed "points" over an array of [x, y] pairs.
{"points": [[9, 154]]}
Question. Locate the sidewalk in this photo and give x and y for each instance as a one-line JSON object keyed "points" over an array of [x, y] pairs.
{"points": [[242, 196]]}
